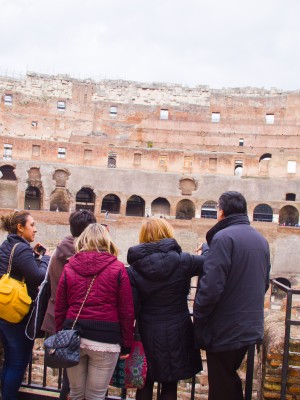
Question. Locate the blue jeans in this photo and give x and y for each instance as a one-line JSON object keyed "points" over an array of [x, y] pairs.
{"points": [[17, 351]]}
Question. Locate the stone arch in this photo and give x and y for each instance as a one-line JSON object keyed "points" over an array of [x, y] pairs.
{"points": [[135, 206], [33, 198], [185, 209], [263, 212], [264, 163], [34, 191], [111, 203], [289, 216], [85, 199], [60, 200], [8, 173], [265, 157], [160, 206], [8, 187], [209, 210]]}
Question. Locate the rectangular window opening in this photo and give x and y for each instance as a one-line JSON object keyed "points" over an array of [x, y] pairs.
{"points": [[270, 119], [215, 117], [137, 158], [8, 99], [112, 161], [291, 167], [7, 153], [61, 152], [87, 154], [241, 142], [113, 111], [164, 113], [36, 150], [61, 105]]}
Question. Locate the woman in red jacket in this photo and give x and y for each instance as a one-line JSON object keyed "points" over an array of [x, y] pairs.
{"points": [[106, 319]]}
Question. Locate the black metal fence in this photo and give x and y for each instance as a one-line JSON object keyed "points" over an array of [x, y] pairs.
{"points": [[30, 390], [289, 322]]}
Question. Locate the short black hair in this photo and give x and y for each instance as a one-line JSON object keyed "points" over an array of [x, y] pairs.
{"points": [[232, 203], [79, 220]]}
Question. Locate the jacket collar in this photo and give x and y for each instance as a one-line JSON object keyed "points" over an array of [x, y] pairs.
{"points": [[232, 219]]}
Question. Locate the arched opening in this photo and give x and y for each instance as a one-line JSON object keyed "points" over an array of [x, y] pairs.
{"points": [[264, 163], [263, 212], [288, 216], [60, 200], [238, 168], [160, 207], [8, 187], [265, 157], [209, 210], [8, 173], [111, 203], [85, 199], [185, 209], [32, 198], [135, 206]]}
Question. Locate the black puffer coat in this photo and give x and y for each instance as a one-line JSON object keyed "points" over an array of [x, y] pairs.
{"points": [[160, 276]]}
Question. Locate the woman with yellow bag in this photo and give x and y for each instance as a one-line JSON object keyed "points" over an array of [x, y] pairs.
{"points": [[22, 269]]}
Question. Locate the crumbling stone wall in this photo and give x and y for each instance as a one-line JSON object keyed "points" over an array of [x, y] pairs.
{"points": [[272, 359]]}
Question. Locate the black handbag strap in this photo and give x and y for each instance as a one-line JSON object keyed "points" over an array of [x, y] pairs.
{"points": [[86, 296]]}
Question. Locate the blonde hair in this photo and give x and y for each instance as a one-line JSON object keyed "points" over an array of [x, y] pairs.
{"points": [[95, 237], [155, 229]]}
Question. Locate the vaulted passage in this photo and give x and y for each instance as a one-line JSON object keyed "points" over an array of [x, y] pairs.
{"points": [[111, 203], [160, 207], [185, 209], [32, 198], [135, 206], [85, 199]]}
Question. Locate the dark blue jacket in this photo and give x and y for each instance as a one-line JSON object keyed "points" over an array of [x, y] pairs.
{"points": [[229, 306], [24, 263], [160, 275]]}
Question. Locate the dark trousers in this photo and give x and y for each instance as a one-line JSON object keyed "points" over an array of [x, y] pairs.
{"points": [[168, 391], [223, 379], [17, 351]]}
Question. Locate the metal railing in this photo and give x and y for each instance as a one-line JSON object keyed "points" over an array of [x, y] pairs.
{"points": [[39, 391], [289, 322]]}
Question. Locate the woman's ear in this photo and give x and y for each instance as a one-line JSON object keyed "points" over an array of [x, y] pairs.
{"points": [[20, 229]]}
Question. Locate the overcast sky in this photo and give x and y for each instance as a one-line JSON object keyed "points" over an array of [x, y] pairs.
{"points": [[219, 43]]}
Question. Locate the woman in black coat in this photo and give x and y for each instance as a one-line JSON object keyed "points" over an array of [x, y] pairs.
{"points": [[160, 275]]}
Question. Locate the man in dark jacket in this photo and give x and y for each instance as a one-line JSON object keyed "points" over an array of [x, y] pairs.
{"points": [[229, 306]]}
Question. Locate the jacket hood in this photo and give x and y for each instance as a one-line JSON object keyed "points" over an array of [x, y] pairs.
{"points": [[155, 260], [89, 263]]}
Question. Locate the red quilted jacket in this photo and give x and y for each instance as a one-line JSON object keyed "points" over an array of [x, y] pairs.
{"points": [[107, 315]]}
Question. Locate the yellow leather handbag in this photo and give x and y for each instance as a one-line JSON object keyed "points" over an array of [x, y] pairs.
{"points": [[14, 299]]}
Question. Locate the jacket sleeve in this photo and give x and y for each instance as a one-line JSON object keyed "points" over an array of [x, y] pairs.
{"points": [[135, 294], [125, 311], [29, 267], [61, 302], [215, 271]]}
